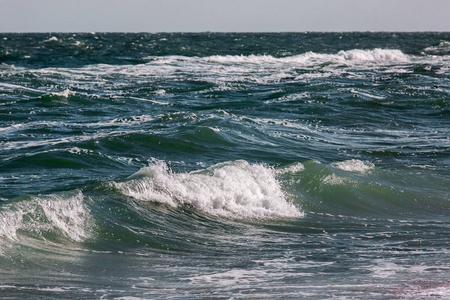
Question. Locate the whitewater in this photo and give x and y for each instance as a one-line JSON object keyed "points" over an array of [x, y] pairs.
{"points": [[224, 165]]}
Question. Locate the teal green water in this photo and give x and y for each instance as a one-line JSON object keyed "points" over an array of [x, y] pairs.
{"points": [[224, 166]]}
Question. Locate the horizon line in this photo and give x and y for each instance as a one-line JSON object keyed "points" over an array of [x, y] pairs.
{"points": [[208, 31]]}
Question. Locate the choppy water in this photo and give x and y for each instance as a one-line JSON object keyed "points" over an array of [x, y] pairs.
{"points": [[289, 165]]}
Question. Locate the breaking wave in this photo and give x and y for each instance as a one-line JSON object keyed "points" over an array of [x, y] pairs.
{"points": [[353, 56], [53, 217], [236, 190]]}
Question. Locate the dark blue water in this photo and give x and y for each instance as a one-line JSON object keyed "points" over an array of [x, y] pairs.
{"points": [[284, 165]]}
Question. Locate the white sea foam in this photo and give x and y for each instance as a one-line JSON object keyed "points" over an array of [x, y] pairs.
{"points": [[39, 215], [376, 55], [359, 92], [15, 87], [265, 65], [235, 277], [333, 179], [283, 122], [76, 150], [436, 290], [354, 165], [233, 59], [442, 47], [159, 92], [355, 56], [294, 168], [65, 93], [265, 271], [226, 70], [236, 190], [131, 121], [26, 144], [52, 39]]}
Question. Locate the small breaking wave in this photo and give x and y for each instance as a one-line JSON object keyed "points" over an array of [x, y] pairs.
{"points": [[347, 57], [237, 190], [52, 217], [442, 48], [52, 39], [350, 56]]}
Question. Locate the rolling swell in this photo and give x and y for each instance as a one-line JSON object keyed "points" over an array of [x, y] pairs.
{"points": [[240, 190], [357, 188], [156, 200]]}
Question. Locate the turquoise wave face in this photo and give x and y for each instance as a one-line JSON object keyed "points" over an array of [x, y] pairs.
{"points": [[228, 192]]}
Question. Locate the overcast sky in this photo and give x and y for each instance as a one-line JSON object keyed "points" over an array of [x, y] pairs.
{"points": [[223, 15]]}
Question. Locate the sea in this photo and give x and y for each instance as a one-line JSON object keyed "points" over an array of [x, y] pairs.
{"points": [[225, 165]]}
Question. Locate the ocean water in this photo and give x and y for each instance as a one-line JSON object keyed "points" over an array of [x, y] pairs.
{"points": [[225, 166]]}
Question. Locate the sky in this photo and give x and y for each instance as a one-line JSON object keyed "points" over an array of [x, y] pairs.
{"points": [[223, 15]]}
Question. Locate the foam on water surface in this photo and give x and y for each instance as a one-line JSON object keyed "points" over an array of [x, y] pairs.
{"points": [[40, 216], [354, 165], [355, 56], [236, 190]]}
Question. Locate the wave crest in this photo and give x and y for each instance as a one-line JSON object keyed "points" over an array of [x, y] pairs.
{"points": [[354, 56], [233, 189], [375, 55], [350, 56], [46, 216]]}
